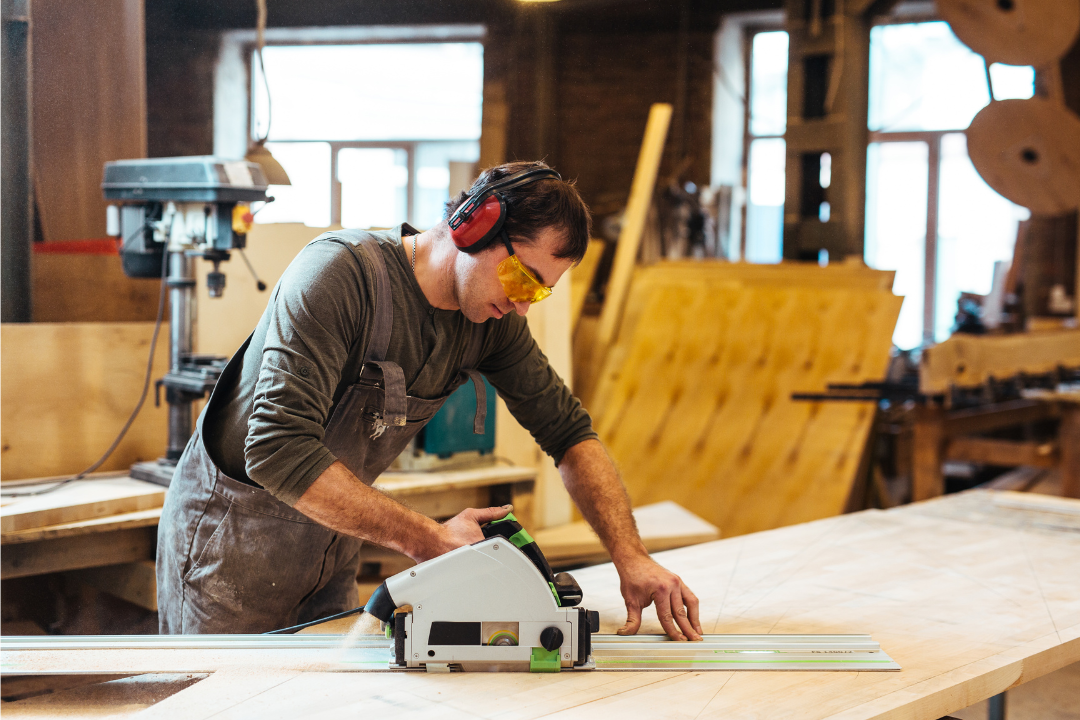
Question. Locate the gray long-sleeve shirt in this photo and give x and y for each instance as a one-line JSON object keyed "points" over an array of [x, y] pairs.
{"points": [[267, 426]]}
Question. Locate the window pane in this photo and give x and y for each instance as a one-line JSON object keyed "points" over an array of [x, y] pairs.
{"points": [[1012, 81], [434, 162], [976, 227], [765, 204], [923, 78], [307, 200], [374, 187], [896, 195], [768, 83], [411, 91]]}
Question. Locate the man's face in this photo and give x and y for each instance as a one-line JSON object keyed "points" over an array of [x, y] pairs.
{"points": [[479, 293]]}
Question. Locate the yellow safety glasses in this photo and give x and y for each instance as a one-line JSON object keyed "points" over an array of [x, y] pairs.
{"points": [[518, 281]]}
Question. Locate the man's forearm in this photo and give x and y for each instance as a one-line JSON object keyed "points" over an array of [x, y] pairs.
{"points": [[338, 500], [593, 483]]}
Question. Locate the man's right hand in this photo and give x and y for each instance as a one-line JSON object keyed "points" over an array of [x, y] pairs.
{"points": [[464, 528]]}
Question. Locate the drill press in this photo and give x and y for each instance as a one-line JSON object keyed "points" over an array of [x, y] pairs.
{"points": [[173, 210]]}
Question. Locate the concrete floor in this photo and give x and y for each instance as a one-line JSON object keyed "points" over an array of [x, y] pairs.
{"points": [[1052, 697]]}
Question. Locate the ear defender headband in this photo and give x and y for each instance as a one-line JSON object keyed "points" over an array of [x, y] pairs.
{"points": [[478, 221]]}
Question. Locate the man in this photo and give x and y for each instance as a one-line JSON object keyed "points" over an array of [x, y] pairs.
{"points": [[363, 338]]}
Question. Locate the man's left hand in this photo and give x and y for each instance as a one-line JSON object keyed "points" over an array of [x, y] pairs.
{"points": [[644, 582]]}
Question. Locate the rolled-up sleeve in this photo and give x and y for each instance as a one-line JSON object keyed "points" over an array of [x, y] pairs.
{"points": [[534, 393], [314, 317]]}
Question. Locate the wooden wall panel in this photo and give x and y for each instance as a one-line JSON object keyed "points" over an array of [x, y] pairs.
{"points": [[90, 288], [67, 389], [89, 106], [694, 399]]}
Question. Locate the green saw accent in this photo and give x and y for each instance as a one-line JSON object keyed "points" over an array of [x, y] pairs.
{"points": [[543, 661], [389, 631], [509, 516], [521, 538], [555, 594]]}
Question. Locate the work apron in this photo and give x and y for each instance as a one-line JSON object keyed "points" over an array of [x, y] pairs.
{"points": [[232, 558]]}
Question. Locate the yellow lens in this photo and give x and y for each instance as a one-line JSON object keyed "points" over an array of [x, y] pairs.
{"points": [[520, 284]]}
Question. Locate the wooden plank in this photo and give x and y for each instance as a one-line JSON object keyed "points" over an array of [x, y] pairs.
{"points": [[1007, 453], [662, 526], [581, 279], [970, 605], [68, 388], [80, 500], [694, 403], [89, 107], [785, 274], [443, 504], [403, 484], [970, 360], [135, 582], [998, 415], [633, 226], [77, 552], [124, 521]]}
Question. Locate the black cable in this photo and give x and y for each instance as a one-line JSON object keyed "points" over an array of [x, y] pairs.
{"points": [[138, 407], [294, 628]]}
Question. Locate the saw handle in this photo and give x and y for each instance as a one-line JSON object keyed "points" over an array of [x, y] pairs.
{"points": [[563, 586]]}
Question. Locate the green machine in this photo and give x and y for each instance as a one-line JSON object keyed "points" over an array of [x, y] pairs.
{"points": [[448, 439]]}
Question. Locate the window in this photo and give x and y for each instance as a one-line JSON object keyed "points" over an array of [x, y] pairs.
{"points": [[765, 150], [929, 216], [371, 135]]}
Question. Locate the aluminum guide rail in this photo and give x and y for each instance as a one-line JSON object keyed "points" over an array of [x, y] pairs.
{"points": [[59, 655]]}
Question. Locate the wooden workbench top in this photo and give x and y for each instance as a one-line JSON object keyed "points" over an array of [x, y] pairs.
{"points": [[971, 594]]}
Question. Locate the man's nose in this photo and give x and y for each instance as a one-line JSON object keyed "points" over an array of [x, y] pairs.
{"points": [[522, 308]]}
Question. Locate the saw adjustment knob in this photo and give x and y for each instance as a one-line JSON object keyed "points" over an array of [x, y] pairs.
{"points": [[551, 638]]}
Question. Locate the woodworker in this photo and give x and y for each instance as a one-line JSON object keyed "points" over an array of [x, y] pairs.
{"points": [[363, 339]]}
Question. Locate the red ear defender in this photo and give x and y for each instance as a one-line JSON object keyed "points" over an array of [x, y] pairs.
{"points": [[476, 223], [476, 232]]}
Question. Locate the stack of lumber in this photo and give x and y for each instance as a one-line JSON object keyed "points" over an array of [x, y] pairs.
{"points": [[693, 397]]}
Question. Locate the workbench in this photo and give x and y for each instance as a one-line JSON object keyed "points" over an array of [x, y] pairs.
{"points": [[971, 593], [104, 528]]}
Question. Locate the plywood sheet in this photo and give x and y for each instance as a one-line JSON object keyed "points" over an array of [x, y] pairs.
{"points": [[68, 389], [80, 500], [694, 403], [663, 526]]}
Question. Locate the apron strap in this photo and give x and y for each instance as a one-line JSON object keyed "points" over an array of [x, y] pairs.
{"points": [[394, 402], [379, 340], [394, 399], [468, 367], [481, 400]]}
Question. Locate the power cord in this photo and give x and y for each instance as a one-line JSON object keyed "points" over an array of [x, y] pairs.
{"points": [[294, 628], [142, 398]]}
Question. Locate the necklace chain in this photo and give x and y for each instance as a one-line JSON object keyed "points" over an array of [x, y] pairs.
{"points": [[414, 254]]}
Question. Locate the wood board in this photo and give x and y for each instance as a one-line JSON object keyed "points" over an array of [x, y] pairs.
{"points": [[694, 401], [80, 500], [581, 279], [662, 526], [67, 390], [969, 360], [969, 606]]}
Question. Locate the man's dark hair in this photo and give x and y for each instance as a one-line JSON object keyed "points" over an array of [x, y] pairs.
{"points": [[533, 207]]}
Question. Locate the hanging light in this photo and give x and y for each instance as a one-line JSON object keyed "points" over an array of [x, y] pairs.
{"points": [[257, 152]]}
